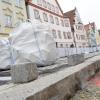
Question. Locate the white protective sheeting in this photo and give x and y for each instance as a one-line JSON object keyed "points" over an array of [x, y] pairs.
{"points": [[5, 59], [33, 42]]}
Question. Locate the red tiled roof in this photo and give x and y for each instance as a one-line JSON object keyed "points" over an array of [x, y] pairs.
{"points": [[70, 15], [87, 26]]}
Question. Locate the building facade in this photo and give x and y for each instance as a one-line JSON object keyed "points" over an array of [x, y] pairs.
{"points": [[12, 13], [97, 37], [91, 34], [49, 12], [79, 33]]}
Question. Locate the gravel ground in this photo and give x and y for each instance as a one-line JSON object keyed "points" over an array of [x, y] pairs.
{"points": [[91, 91]]}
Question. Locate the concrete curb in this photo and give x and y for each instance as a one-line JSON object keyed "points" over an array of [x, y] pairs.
{"points": [[61, 84]]}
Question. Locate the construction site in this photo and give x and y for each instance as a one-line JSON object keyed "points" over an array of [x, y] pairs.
{"points": [[47, 53], [37, 70]]}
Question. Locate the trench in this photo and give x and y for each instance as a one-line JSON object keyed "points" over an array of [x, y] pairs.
{"points": [[82, 85], [79, 82], [91, 91]]}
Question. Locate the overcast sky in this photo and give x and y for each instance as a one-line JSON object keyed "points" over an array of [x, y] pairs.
{"points": [[89, 10]]}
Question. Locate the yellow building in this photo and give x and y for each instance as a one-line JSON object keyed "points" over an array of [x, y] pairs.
{"points": [[97, 35], [12, 13], [98, 38]]}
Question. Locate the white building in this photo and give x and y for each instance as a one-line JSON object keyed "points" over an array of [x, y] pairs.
{"points": [[79, 33], [91, 35], [49, 12]]}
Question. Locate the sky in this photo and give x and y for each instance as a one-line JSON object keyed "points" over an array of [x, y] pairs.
{"points": [[89, 10]]}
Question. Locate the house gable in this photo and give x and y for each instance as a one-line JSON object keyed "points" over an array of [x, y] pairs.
{"points": [[47, 5], [74, 16], [77, 17]]}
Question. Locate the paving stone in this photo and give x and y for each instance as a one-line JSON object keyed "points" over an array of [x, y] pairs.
{"points": [[75, 59], [26, 72]]}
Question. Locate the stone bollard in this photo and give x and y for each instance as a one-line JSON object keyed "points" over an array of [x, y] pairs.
{"points": [[75, 59], [22, 73]]}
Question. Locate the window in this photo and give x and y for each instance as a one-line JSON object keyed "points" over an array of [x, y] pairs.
{"points": [[8, 20], [20, 20], [76, 36], [73, 21], [59, 34], [65, 35], [79, 37], [45, 17], [51, 19], [18, 3], [54, 33], [57, 10], [99, 32], [69, 35], [82, 37], [66, 23], [44, 3], [36, 14], [61, 45], [66, 45], [79, 27], [39, 2], [57, 21], [62, 22], [53, 8], [49, 5]]}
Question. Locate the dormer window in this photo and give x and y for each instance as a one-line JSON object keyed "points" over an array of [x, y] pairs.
{"points": [[53, 8], [49, 5], [39, 2], [44, 4], [73, 20], [57, 10]]}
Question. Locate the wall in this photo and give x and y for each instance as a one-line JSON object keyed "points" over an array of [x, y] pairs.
{"points": [[10, 8], [60, 85], [80, 42], [97, 38], [79, 31], [61, 41]]}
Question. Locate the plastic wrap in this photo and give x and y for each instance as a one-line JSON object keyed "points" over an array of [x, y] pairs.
{"points": [[33, 42], [5, 58]]}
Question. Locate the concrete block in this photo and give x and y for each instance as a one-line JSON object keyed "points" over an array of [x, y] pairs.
{"points": [[25, 72], [75, 59]]}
